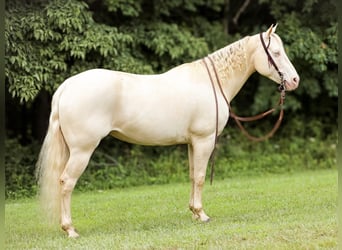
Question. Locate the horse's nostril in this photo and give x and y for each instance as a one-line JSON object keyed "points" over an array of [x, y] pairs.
{"points": [[296, 79]]}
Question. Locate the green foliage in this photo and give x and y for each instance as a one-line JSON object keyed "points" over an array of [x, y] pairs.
{"points": [[47, 44], [281, 154], [20, 164], [133, 165], [170, 42], [317, 52], [129, 8]]}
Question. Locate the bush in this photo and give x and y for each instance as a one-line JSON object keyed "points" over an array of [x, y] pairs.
{"points": [[20, 168], [118, 164], [298, 145]]}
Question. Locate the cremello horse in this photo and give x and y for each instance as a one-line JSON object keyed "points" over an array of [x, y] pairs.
{"points": [[176, 107]]}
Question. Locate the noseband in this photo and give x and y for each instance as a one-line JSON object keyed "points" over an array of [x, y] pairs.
{"points": [[239, 119]]}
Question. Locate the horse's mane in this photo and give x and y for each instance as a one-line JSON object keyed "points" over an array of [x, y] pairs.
{"points": [[231, 58]]}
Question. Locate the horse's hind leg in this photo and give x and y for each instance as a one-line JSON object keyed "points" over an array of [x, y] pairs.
{"points": [[78, 161]]}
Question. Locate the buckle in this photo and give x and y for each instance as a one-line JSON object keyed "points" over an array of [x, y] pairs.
{"points": [[281, 87]]}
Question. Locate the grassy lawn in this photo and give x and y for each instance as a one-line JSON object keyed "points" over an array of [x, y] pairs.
{"points": [[289, 211]]}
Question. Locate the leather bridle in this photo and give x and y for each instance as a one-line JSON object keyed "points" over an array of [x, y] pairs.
{"points": [[239, 119], [272, 62]]}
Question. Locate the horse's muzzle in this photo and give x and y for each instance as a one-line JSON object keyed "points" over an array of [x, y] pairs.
{"points": [[293, 84]]}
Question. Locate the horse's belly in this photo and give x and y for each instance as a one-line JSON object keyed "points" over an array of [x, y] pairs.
{"points": [[153, 133]]}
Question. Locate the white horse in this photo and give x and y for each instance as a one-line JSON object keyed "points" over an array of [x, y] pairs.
{"points": [[176, 107]]}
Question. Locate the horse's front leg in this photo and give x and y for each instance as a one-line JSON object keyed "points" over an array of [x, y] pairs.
{"points": [[192, 180], [199, 154]]}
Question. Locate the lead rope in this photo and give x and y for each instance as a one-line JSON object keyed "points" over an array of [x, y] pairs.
{"points": [[248, 119], [212, 157]]}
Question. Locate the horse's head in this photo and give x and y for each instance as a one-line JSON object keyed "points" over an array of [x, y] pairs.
{"points": [[271, 60]]}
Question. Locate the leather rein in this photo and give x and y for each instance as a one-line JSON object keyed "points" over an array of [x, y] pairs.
{"points": [[239, 119]]}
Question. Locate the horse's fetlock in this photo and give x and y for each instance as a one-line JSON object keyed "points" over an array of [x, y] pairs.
{"points": [[195, 210], [66, 227]]}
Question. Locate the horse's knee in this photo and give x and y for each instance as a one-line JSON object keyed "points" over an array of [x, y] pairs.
{"points": [[199, 180]]}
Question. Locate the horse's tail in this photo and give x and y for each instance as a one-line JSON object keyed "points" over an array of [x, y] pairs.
{"points": [[51, 163]]}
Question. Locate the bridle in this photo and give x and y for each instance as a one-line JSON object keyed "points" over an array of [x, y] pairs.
{"points": [[272, 62], [239, 119]]}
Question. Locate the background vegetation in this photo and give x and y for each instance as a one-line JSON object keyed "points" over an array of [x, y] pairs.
{"points": [[48, 41]]}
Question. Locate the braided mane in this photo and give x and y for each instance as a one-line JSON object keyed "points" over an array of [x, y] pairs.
{"points": [[230, 59]]}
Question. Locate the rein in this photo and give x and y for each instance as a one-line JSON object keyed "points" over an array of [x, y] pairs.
{"points": [[239, 119]]}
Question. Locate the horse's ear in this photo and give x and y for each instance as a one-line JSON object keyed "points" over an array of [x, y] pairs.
{"points": [[271, 30], [275, 27]]}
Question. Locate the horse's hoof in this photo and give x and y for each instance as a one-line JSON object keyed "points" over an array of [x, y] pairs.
{"points": [[201, 217], [206, 220], [72, 234]]}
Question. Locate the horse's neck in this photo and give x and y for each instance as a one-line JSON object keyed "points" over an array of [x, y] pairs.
{"points": [[233, 66]]}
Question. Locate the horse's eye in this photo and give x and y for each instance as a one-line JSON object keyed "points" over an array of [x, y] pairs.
{"points": [[276, 53]]}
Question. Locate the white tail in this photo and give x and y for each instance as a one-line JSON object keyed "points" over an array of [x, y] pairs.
{"points": [[51, 163]]}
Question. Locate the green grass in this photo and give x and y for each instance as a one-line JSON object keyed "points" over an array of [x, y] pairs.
{"points": [[288, 211]]}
